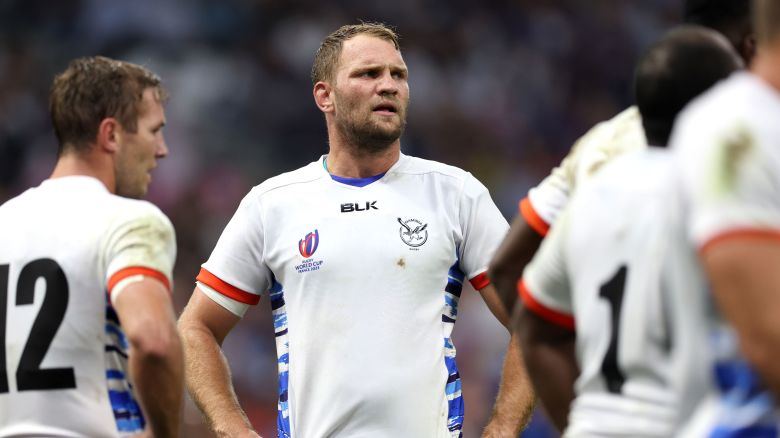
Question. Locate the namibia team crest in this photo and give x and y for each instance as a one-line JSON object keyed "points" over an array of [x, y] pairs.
{"points": [[307, 247]]}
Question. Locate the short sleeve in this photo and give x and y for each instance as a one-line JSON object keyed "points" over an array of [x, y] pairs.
{"points": [[236, 268], [545, 288], [141, 241], [483, 229], [731, 176]]}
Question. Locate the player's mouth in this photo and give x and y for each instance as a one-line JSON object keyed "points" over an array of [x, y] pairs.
{"points": [[386, 109]]}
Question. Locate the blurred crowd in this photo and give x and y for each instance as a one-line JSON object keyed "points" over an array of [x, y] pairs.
{"points": [[498, 87]]}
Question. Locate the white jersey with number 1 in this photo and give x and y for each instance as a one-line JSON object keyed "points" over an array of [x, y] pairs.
{"points": [[68, 248], [616, 269]]}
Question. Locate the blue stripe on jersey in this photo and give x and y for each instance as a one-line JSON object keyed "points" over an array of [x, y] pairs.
{"points": [[127, 413], [115, 374], [118, 335], [453, 389], [746, 408], [279, 312]]}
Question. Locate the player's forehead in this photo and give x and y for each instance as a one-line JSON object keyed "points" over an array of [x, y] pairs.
{"points": [[151, 106], [364, 50]]}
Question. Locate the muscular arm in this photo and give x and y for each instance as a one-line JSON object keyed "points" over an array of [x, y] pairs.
{"points": [[156, 363], [549, 355], [507, 266], [515, 401], [746, 283], [203, 326]]}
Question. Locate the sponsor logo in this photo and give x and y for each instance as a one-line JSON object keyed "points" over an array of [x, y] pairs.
{"points": [[308, 245], [350, 207], [413, 232]]}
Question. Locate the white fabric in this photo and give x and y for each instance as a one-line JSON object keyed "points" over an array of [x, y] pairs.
{"points": [[603, 142], [90, 234], [726, 146], [364, 317], [627, 219]]}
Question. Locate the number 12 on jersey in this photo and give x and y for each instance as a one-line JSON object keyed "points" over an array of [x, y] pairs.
{"points": [[29, 374]]}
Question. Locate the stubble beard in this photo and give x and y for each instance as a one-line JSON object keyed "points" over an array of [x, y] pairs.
{"points": [[368, 136]]}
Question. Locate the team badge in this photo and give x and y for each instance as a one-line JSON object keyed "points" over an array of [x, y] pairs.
{"points": [[308, 245], [413, 232]]}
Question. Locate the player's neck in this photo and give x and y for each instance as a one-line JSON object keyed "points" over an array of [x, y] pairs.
{"points": [[766, 65], [353, 163], [71, 164]]}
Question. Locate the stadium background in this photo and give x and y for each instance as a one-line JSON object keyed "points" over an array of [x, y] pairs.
{"points": [[500, 88]]}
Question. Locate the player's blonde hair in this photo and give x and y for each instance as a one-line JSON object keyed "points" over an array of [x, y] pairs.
{"points": [[327, 57], [95, 88], [766, 20]]}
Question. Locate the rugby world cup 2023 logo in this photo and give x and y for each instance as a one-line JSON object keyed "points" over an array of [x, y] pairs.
{"points": [[308, 245]]}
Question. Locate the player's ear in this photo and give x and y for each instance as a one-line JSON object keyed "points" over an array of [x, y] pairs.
{"points": [[108, 135], [323, 96]]}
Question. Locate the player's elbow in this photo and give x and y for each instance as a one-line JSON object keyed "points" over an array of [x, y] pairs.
{"points": [[155, 341]]}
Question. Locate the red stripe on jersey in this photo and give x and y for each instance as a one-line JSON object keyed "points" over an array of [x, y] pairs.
{"points": [[481, 281], [137, 270], [532, 217], [740, 233], [226, 289], [554, 316]]}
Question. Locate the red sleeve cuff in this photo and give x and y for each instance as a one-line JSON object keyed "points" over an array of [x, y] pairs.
{"points": [[532, 217], [137, 270], [740, 233], [559, 318], [481, 281], [226, 289]]}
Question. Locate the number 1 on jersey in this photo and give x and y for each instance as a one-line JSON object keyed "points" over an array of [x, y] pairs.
{"points": [[612, 291]]}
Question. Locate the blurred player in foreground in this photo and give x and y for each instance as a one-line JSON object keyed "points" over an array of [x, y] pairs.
{"points": [[87, 327], [728, 147], [623, 133], [614, 279], [363, 254]]}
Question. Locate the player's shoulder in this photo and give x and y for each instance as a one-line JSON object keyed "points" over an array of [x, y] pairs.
{"points": [[618, 135], [634, 174], [420, 166], [732, 98], [308, 174], [627, 123]]}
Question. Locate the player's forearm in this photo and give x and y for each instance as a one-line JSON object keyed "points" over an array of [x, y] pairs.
{"points": [[516, 399], [548, 352], [209, 383], [158, 377], [517, 249]]}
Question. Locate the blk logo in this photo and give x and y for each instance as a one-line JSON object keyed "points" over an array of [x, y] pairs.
{"points": [[308, 245], [350, 207]]}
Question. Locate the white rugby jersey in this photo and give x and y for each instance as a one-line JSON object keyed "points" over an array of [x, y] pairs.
{"points": [[616, 269], [727, 144], [65, 246], [603, 142], [364, 285]]}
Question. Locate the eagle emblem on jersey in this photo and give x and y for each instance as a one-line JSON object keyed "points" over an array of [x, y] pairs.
{"points": [[308, 245], [413, 232]]}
